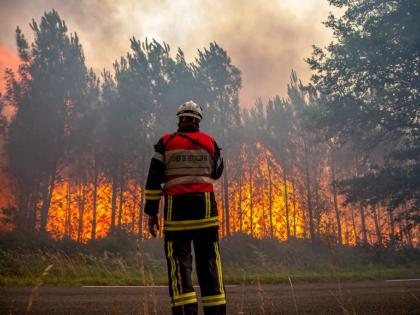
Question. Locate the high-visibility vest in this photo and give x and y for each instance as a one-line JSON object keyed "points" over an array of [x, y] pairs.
{"points": [[187, 165], [189, 162]]}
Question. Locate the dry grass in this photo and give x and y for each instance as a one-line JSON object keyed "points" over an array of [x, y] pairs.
{"points": [[245, 260], [35, 289], [19, 268]]}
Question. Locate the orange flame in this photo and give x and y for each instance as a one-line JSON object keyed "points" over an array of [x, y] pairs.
{"points": [[71, 211], [257, 188], [258, 191]]}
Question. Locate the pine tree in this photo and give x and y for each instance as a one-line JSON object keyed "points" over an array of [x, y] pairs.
{"points": [[221, 81], [369, 80], [52, 79]]}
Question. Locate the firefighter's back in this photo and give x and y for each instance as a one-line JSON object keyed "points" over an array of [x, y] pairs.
{"points": [[190, 203]]}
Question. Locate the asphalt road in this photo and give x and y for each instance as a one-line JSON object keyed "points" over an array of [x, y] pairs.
{"points": [[367, 297]]}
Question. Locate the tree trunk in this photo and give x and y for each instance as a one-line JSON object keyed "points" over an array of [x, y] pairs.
{"points": [[141, 206], [46, 201], [23, 215], [338, 219], [113, 202], [308, 193], [142, 185], [95, 193], [82, 194], [407, 229], [33, 210], [286, 204], [263, 220], [133, 208], [353, 223], [222, 192], [363, 224], [317, 208], [305, 224], [346, 231], [391, 227], [334, 188], [251, 212], [79, 198], [401, 229], [240, 201], [43, 210], [270, 200], [294, 209], [226, 197], [377, 225], [26, 203], [121, 197], [68, 214]]}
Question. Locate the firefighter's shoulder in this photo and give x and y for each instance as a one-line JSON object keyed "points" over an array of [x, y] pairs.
{"points": [[210, 139], [206, 136], [166, 137], [160, 150], [160, 145]]}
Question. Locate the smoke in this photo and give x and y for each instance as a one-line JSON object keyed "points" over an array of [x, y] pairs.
{"points": [[8, 59], [265, 39]]}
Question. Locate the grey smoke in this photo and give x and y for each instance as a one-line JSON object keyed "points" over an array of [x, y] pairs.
{"points": [[265, 39]]}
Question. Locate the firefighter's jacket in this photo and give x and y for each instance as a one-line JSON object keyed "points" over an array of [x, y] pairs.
{"points": [[183, 170]]}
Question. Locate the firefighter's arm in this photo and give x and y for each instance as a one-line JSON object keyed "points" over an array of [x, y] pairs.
{"points": [[218, 162], [153, 189]]}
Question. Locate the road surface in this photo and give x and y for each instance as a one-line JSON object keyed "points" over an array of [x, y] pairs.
{"points": [[366, 297]]}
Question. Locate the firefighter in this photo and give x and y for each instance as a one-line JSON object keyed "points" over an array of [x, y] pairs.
{"points": [[183, 169]]}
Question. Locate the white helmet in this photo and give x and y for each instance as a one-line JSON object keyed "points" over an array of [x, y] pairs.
{"points": [[190, 109]]}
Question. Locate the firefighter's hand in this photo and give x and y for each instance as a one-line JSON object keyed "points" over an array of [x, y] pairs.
{"points": [[153, 220]]}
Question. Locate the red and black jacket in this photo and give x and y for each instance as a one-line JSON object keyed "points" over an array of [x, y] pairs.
{"points": [[183, 170]]}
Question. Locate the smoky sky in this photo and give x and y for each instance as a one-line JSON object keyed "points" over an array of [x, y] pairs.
{"points": [[265, 38]]}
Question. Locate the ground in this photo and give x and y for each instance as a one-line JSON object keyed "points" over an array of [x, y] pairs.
{"points": [[363, 297]]}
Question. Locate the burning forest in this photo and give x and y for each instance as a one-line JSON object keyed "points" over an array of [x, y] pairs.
{"points": [[287, 176], [76, 145]]}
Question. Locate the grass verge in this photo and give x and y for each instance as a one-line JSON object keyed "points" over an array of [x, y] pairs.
{"points": [[245, 260], [117, 271]]}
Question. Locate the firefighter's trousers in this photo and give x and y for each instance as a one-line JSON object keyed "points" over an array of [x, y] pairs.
{"points": [[209, 272]]}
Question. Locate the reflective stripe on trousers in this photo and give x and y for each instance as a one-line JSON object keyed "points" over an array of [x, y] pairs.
{"points": [[208, 268], [170, 226]]}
